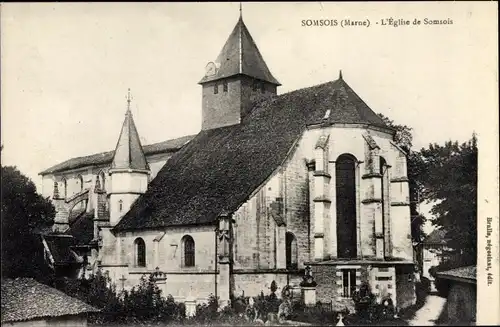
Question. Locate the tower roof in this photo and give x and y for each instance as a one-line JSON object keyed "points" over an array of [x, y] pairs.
{"points": [[129, 153], [240, 55]]}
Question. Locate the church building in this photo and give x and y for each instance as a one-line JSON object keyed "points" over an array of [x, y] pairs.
{"points": [[271, 184]]}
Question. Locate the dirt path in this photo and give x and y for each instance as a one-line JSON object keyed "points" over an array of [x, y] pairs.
{"points": [[429, 312]]}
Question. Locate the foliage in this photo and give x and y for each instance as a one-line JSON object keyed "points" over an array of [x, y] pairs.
{"points": [[403, 134], [451, 181], [146, 303], [364, 301], [317, 315], [207, 313], [266, 304], [97, 291], [143, 303], [24, 214]]}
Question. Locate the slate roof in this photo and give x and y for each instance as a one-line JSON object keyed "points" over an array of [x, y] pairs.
{"points": [[104, 158], [240, 55], [26, 299], [436, 237], [220, 168], [466, 274], [60, 248], [82, 229], [129, 153]]}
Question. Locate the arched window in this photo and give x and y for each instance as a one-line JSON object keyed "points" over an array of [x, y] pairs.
{"points": [[188, 251], [120, 205], [80, 180], [140, 252], [345, 184], [384, 184], [102, 180], [291, 251], [65, 186]]}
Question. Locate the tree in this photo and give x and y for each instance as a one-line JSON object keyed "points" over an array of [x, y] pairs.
{"points": [[403, 137], [450, 180], [24, 212]]}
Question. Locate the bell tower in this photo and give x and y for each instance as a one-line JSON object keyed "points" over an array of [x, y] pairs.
{"points": [[235, 80], [129, 170]]}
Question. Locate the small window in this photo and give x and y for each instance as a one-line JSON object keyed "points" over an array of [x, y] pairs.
{"points": [[120, 205], [224, 86], [80, 181], [102, 180], [262, 88], [188, 251], [216, 88], [65, 185], [255, 85], [348, 282], [140, 253], [291, 251]]}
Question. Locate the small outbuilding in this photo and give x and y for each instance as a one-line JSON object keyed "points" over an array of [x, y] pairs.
{"points": [[26, 302], [462, 292]]}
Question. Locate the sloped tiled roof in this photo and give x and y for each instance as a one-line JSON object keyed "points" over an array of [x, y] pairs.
{"points": [[466, 274], [219, 168], [436, 237], [240, 55], [82, 229], [106, 157], [129, 153], [26, 299], [59, 246]]}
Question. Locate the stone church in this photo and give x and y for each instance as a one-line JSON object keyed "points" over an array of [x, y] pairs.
{"points": [[271, 184]]}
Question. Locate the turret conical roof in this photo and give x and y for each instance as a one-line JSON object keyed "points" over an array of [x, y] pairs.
{"points": [[129, 153]]}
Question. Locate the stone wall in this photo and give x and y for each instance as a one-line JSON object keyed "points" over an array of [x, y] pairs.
{"points": [[405, 287], [163, 250], [228, 108], [461, 303]]}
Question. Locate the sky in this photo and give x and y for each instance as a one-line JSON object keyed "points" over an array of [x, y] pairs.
{"points": [[66, 68]]}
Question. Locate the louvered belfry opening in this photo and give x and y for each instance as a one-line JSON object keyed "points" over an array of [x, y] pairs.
{"points": [[345, 171]]}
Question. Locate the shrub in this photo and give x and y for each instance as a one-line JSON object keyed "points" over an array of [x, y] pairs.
{"points": [[267, 304], [317, 315], [207, 313], [143, 303]]}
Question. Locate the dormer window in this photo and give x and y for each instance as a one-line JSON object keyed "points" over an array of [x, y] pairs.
{"points": [[224, 86], [216, 88]]}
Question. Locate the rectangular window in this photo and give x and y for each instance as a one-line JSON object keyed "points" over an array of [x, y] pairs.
{"points": [[255, 85], [348, 282], [216, 88], [262, 88], [224, 86]]}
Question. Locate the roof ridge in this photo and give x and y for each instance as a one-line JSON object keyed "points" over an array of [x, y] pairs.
{"points": [[147, 150]]}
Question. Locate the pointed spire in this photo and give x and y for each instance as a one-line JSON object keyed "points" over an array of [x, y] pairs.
{"points": [[340, 74], [129, 153], [240, 55], [129, 99]]}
